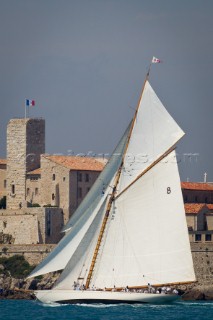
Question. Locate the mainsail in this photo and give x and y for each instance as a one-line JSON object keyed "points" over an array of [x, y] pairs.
{"points": [[145, 236], [147, 240]]}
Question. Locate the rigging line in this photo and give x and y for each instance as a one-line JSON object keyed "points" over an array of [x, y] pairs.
{"points": [[148, 168], [117, 178], [135, 115], [84, 264]]}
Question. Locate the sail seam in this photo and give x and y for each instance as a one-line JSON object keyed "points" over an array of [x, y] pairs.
{"points": [[147, 169]]}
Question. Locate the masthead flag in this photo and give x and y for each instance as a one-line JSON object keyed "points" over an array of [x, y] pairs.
{"points": [[30, 103], [156, 60]]}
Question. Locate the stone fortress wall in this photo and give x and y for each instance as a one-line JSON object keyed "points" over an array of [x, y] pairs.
{"points": [[202, 255], [33, 253], [31, 225]]}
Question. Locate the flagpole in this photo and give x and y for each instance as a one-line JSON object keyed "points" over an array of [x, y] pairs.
{"points": [[25, 112], [148, 72], [154, 60]]}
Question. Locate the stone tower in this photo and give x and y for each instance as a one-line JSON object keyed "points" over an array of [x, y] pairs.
{"points": [[25, 144]]}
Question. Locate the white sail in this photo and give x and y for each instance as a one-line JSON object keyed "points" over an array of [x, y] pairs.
{"points": [[84, 215], [102, 181], [146, 240], [135, 232], [154, 133], [78, 266], [60, 256]]}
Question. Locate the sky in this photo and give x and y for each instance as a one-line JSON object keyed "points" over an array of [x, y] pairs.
{"points": [[84, 63]]}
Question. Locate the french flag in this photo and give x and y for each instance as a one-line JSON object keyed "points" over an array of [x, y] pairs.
{"points": [[30, 103]]}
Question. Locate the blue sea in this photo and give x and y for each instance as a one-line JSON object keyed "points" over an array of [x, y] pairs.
{"points": [[33, 310]]}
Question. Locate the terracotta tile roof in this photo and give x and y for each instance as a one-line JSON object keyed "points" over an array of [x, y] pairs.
{"points": [[210, 206], [36, 171], [193, 207], [197, 186], [3, 161], [78, 163]]}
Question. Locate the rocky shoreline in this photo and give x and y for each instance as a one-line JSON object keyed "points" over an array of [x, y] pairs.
{"points": [[11, 288], [199, 292]]}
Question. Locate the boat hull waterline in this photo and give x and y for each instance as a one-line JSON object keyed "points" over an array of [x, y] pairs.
{"points": [[105, 297]]}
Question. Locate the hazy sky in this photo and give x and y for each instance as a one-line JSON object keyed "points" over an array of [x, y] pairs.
{"points": [[84, 62]]}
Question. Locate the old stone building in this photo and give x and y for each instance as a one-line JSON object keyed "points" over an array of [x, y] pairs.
{"points": [[42, 191], [62, 181], [197, 192], [198, 198], [3, 181], [69, 179]]}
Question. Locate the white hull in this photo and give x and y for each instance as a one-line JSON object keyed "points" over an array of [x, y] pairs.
{"points": [[106, 297]]}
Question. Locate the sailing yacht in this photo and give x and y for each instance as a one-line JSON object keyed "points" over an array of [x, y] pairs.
{"points": [[130, 230]]}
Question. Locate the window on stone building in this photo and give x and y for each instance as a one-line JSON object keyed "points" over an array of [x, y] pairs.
{"points": [[33, 178], [53, 176], [49, 224], [198, 237], [79, 192], [79, 176], [53, 196], [28, 191], [208, 237], [12, 188], [5, 183], [64, 178], [36, 191], [87, 177]]}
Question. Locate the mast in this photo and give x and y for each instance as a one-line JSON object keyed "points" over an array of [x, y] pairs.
{"points": [[103, 226], [112, 196]]}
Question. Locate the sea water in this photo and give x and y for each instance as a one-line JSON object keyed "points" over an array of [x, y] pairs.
{"points": [[33, 310]]}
